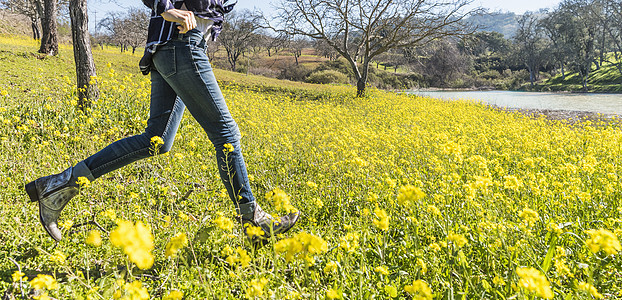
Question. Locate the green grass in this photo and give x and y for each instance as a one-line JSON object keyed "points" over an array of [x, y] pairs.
{"points": [[606, 79]]}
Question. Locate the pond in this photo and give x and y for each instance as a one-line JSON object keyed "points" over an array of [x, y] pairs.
{"points": [[589, 102]]}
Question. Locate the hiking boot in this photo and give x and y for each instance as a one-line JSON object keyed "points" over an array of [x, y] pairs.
{"points": [[53, 193], [268, 225]]}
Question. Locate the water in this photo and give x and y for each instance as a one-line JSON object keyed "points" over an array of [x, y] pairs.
{"points": [[597, 103]]}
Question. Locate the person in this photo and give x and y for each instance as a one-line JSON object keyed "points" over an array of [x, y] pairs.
{"points": [[181, 76]]}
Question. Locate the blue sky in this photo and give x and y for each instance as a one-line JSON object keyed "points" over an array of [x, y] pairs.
{"points": [[99, 8]]}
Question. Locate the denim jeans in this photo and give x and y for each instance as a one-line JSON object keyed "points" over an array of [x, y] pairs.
{"points": [[181, 77]]}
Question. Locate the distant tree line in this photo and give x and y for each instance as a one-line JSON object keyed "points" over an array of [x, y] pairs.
{"points": [[433, 44], [126, 29], [578, 36]]}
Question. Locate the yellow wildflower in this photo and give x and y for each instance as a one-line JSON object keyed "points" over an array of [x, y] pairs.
{"points": [[280, 200], [590, 289], [333, 294], [239, 256], [422, 265], [382, 270], [390, 290], [43, 296], [408, 194], [383, 219], [529, 216], [458, 239], [303, 245], [511, 182], [434, 210], [349, 242], [331, 267], [252, 231], [175, 244], [58, 257], [419, 290], [534, 282], [44, 282], [136, 241], [17, 276], [603, 239], [228, 148], [184, 216], [110, 214], [135, 291], [174, 295], [94, 238], [83, 182], [255, 288], [224, 223], [157, 141], [498, 280]]}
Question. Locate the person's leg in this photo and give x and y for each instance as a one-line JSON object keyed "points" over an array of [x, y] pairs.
{"points": [[165, 113], [54, 192], [194, 82]]}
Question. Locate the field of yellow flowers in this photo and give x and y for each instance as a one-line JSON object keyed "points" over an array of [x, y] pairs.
{"points": [[401, 197]]}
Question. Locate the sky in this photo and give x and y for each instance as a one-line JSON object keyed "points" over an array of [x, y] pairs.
{"points": [[99, 8]]}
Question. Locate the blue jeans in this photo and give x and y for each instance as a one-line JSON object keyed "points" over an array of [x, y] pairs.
{"points": [[181, 77]]}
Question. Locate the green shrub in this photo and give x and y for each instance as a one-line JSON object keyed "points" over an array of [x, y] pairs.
{"points": [[327, 76], [294, 72], [338, 65]]}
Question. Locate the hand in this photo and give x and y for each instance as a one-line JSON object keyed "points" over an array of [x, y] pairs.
{"points": [[185, 19]]}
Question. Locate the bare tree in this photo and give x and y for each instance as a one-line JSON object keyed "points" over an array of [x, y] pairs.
{"points": [[85, 66], [212, 48], [579, 25], [364, 29], [49, 37], [295, 46], [391, 58], [322, 48], [33, 9], [531, 45], [441, 62], [239, 35], [557, 30], [274, 44], [126, 28]]}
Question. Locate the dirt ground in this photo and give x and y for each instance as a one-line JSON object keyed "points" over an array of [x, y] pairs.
{"points": [[572, 116]]}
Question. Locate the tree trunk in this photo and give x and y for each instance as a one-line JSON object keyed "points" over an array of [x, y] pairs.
{"points": [[361, 83], [85, 67], [49, 38], [36, 34]]}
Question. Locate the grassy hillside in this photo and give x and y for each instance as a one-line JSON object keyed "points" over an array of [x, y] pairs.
{"points": [[605, 79], [401, 197]]}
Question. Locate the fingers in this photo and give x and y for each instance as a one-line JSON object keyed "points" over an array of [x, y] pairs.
{"points": [[184, 18], [192, 24]]}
